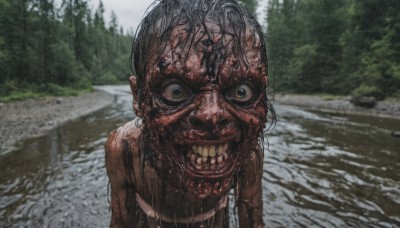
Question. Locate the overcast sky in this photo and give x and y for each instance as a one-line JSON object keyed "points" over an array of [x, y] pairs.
{"points": [[130, 12]]}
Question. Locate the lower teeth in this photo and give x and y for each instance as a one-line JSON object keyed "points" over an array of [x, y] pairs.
{"points": [[207, 163]]}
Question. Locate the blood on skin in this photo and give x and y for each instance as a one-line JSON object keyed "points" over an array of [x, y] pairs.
{"points": [[198, 138]]}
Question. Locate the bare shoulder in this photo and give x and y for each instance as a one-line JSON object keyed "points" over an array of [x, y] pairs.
{"points": [[122, 139], [122, 143]]}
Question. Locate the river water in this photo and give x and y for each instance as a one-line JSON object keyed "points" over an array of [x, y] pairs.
{"points": [[320, 170]]}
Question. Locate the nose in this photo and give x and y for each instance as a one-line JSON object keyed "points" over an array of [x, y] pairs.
{"points": [[210, 112]]}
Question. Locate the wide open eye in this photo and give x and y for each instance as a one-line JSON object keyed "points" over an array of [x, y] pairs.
{"points": [[175, 92], [240, 94]]}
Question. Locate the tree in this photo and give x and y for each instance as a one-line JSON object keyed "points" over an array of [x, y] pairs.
{"points": [[43, 49], [371, 44], [284, 34], [250, 5], [4, 7], [338, 47]]}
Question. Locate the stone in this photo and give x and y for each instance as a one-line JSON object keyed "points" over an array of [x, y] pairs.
{"points": [[364, 101], [396, 134]]}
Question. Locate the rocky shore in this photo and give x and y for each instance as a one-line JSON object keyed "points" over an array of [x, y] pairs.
{"points": [[33, 118], [390, 109]]}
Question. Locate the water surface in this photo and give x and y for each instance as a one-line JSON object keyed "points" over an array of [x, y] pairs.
{"points": [[321, 170]]}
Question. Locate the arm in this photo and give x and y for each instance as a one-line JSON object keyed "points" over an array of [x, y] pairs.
{"points": [[250, 192], [123, 202]]}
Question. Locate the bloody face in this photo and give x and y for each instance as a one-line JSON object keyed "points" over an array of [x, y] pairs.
{"points": [[205, 107]]}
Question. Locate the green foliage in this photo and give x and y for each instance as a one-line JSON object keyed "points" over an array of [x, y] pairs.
{"points": [[369, 91], [61, 51], [301, 69], [57, 90], [336, 47], [19, 96], [13, 91], [107, 78]]}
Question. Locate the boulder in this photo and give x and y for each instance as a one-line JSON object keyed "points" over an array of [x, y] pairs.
{"points": [[363, 101], [396, 134]]}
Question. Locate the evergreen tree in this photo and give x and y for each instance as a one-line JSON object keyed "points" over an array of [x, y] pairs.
{"points": [[372, 48], [338, 47], [43, 49]]}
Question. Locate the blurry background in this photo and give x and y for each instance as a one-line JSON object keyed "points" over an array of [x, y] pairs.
{"points": [[343, 47], [320, 169]]}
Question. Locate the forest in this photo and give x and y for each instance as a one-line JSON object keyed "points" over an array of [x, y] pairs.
{"points": [[59, 49], [341, 47]]}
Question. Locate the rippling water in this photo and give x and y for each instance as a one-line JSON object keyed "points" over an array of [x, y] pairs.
{"points": [[320, 170]]}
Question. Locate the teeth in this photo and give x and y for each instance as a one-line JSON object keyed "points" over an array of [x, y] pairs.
{"points": [[212, 151], [200, 150], [219, 150], [193, 157], [212, 161], [225, 147], [219, 159], [208, 157], [205, 151]]}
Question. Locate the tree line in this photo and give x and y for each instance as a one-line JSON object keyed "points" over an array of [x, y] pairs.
{"points": [[61, 49], [344, 47], [55, 48]]}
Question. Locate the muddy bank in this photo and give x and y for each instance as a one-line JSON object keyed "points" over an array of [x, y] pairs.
{"points": [[343, 105], [33, 118]]}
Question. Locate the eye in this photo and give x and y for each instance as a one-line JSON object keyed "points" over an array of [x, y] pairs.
{"points": [[175, 92], [240, 94]]}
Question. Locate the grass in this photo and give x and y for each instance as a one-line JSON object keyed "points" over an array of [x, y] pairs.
{"points": [[50, 91], [323, 96]]}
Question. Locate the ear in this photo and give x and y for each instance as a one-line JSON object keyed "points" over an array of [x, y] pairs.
{"points": [[135, 93]]}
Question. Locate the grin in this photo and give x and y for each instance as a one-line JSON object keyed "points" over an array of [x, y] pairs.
{"points": [[207, 160], [209, 157]]}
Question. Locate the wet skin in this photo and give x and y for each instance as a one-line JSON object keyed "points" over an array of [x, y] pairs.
{"points": [[202, 115]]}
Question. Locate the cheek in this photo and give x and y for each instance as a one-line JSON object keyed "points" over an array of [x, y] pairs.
{"points": [[253, 119], [162, 121]]}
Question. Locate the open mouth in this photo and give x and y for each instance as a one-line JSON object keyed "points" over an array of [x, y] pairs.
{"points": [[209, 161], [205, 160], [208, 158], [206, 166]]}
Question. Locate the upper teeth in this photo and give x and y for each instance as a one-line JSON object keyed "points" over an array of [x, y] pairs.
{"points": [[210, 151]]}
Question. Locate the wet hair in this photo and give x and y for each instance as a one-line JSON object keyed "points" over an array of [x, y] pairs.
{"points": [[156, 28]]}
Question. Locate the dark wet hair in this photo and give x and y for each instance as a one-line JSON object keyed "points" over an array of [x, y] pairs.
{"points": [[156, 27]]}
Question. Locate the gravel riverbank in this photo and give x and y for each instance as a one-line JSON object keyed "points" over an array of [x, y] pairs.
{"points": [[33, 118], [390, 109]]}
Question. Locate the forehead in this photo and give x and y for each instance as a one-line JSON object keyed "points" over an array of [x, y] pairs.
{"points": [[209, 51]]}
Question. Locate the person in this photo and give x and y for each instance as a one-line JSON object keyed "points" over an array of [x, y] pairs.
{"points": [[199, 93]]}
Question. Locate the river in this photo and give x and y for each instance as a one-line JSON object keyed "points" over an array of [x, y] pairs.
{"points": [[320, 170]]}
